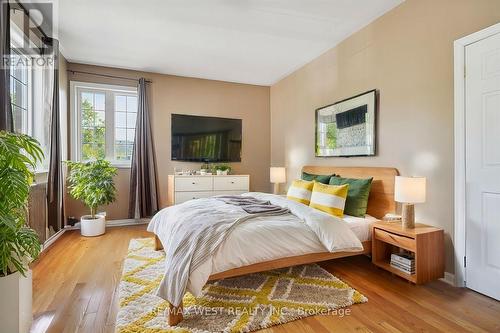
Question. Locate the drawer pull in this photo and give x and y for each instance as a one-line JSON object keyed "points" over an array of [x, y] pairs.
{"points": [[232, 182], [193, 183]]}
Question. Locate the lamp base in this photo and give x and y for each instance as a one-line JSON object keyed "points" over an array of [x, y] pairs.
{"points": [[276, 188], [408, 216]]}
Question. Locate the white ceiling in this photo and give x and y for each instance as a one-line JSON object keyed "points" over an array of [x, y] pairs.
{"points": [[247, 41]]}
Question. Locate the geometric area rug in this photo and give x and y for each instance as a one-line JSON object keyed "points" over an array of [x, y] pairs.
{"points": [[240, 304]]}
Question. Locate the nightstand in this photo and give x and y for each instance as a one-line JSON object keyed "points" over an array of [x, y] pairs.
{"points": [[426, 242]]}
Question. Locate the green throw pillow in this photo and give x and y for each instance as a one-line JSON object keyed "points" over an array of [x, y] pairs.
{"points": [[325, 179], [357, 195]]}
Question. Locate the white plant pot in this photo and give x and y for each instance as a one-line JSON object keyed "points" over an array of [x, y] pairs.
{"points": [[222, 173], [90, 227], [16, 303]]}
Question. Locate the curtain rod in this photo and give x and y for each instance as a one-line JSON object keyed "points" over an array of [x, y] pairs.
{"points": [[107, 75]]}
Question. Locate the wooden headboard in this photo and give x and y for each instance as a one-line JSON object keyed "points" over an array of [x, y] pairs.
{"points": [[381, 199]]}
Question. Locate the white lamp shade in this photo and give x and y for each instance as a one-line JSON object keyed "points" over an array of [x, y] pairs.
{"points": [[277, 175], [409, 189]]}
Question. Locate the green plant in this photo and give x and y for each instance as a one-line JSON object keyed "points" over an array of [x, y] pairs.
{"points": [[92, 182], [19, 244], [222, 167]]}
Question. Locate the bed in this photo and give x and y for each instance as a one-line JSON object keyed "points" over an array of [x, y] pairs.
{"points": [[233, 259]]}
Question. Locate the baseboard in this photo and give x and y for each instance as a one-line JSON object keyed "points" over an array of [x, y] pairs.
{"points": [[119, 223], [115, 223], [52, 239], [449, 278]]}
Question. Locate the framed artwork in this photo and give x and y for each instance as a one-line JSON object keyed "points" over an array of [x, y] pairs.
{"points": [[347, 128]]}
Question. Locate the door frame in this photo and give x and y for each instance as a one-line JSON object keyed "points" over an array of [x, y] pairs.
{"points": [[459, 114]]}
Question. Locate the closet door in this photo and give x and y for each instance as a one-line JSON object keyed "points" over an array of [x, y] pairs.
{"points": [[483, 166]]}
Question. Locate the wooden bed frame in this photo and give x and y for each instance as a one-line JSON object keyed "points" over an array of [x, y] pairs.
{"points": [[381, 201]]}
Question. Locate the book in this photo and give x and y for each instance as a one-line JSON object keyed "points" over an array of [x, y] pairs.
{"points": [[403, 258], [408, 267], [403, 269]]}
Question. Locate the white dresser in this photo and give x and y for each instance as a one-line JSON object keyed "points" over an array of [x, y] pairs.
{"points": [[184, 188]]}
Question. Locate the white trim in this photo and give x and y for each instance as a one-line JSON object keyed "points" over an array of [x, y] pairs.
{"points": [[460, 189], [52, 239]]}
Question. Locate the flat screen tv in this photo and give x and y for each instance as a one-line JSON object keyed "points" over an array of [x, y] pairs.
{"points": [[206, 139]]}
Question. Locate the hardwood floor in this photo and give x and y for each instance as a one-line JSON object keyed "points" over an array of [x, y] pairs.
{"points": [[75, 290]]}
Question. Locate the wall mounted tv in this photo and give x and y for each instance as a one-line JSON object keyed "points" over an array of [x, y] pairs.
{"points": [[206, 139]]}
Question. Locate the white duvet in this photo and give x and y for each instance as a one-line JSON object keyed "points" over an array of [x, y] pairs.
{"points": [[260, 239]]}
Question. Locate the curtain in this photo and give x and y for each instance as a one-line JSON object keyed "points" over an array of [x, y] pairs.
{"points": [[6, 121], [143, 184], [55, 178]]}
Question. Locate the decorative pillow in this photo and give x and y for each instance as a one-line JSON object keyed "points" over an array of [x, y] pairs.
{"points": [[329, 198], [324, 179], [357, 196], [300, 191]]}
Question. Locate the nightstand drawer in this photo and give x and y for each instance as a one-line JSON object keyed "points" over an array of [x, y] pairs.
{"points": [[396, 240]]}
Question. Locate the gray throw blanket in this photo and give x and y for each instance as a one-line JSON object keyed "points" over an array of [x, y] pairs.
{"points": [[252, 205]]}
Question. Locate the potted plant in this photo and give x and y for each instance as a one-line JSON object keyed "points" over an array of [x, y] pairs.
{"points": [[222, 169], [19, 245], [92, 182]]}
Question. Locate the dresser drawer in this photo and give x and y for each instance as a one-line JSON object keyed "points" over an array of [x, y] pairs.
{"points": [[228, 183], [193, 184], [396, 240], [181, 197]]}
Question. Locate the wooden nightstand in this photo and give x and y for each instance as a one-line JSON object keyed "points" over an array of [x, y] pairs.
{"points": [[425, 241]]}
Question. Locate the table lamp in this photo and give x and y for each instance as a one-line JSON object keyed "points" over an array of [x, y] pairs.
{"points": [[409, 191], [277, 176]]}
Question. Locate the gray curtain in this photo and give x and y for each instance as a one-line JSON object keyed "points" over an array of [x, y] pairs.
{"points": [[6, 121], [143, 184], [54, 181]]}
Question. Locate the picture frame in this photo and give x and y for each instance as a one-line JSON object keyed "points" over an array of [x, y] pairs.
{"points": [[347, 128]]}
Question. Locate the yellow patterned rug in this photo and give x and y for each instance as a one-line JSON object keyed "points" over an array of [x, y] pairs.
{"points": [[241, 304]]}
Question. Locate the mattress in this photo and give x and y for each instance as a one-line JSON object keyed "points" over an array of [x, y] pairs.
{"points": [[269, 238]]}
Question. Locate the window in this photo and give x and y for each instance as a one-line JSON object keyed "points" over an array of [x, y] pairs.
{"points": [[104, 118], [19, 87], [28, 95]]}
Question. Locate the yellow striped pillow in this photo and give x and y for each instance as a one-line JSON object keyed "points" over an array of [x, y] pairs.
{"points": [[329, 198], [300, 191]]}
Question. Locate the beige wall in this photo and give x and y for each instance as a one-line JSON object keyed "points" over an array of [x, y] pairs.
{"points": [[407, 55], [174, 94]]}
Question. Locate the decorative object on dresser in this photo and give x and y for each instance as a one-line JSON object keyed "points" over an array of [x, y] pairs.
{"points": [[409, 191], [347, 128], [222, 169], [424, 243], [183, 188], [277, 176]]}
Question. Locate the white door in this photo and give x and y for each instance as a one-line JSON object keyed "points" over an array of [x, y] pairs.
{"points": [[482, 119]]}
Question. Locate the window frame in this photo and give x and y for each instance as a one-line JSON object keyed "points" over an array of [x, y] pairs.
{"points": [[110, 91], [34, 79]]}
